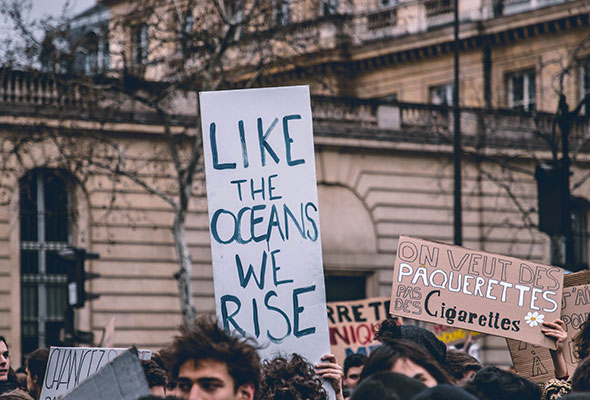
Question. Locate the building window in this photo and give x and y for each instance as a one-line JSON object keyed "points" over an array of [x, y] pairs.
{"points": [[329, 7], [186, 27], [44, 230], [282, 12], [139, 44], [522, 92], [580, 209], [442, 94], [434, 8], [93, 55], [585, 83], [345, 287]]}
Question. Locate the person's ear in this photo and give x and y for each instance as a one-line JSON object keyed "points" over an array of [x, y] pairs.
{"points": [[246, 392], [36, 379]]}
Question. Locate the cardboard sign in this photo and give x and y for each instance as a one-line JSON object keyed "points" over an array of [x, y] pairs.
{"points": [[538, 365], [475, 290], [576, 307], [534, 362], [353, 324], [121, 379], [264, 218], [68, 367]]}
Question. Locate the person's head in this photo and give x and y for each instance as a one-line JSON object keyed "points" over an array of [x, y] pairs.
{"points": [[155, 376], [36, 364], [353, 366], [492, 383], [407, 358], [391, 330], [206, 362], [581, 377], [461, 366], [16, 394], [290, 378], [4, 359], [387, 386], [444, 392], [582, 340]]}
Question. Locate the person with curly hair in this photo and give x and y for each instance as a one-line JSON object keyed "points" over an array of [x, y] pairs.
{"points": [[155, 376], [207, 363], [290, 378]]}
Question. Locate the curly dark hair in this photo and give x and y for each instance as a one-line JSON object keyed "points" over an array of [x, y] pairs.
{"points": [[204, 339], [582, 340], [290, 379], [154, 374]]}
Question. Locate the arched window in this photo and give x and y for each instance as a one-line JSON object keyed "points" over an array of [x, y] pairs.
{"points": [[44, 230]]}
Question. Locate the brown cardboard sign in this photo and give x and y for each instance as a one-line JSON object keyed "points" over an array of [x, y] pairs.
{"points": [[576, 307], [475, 290], [352, 325], [534, 362], [531, 361]]}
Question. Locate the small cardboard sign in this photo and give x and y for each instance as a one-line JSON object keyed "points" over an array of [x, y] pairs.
{"points": [[68, 367], [353, 325], [452, 336], [121, 379], [535, 363], [475, 290], [264, 218]]}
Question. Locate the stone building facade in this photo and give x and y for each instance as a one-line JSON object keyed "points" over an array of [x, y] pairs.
{"points": [[383, 137]]}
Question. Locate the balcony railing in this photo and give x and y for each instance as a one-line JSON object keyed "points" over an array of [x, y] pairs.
{"points": [[33, 94]]}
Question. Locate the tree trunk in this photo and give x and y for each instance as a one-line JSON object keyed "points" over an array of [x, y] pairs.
{"points": [[183, 276]]}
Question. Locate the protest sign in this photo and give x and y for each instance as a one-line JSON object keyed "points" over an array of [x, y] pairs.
{"points": [[264, 219], [475, 290], [120, 379], [535, 363], [451, 336], [353, 324], [68, 367]]}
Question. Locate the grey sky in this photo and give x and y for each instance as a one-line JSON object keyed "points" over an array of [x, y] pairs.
{"points": [[55, 7]]}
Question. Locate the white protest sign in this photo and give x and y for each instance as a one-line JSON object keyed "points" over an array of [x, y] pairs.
{"points": [[67, 367], [121, 379], [264, 219]]}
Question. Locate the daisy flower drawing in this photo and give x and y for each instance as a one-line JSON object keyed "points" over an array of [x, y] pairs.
{"points": [[534, 318]]}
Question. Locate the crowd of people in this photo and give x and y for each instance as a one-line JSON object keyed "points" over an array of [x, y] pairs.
{"points": [[205, 362]]}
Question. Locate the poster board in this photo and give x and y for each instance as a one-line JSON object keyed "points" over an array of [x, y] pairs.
{"points": [[534, 362], [264, 218], [120, 379], [452, 336], [475, 290], [68, 367], [352, 325]]}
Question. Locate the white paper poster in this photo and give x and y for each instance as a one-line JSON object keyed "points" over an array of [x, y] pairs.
{"points": [[264, 218], [68, 367]]}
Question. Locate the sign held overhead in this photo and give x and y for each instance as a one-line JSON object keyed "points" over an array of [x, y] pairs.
{"points": [[475, 290]]}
